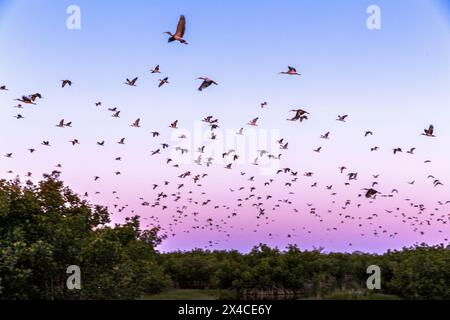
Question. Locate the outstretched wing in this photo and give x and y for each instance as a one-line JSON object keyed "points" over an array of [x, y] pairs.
{"points": [[431, 129], [181, 28]]}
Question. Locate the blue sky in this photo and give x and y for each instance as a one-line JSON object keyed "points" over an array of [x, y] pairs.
{"points": [[394, 81]]}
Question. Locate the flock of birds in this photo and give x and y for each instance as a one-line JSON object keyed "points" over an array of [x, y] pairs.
{"points": [[184, 197]]}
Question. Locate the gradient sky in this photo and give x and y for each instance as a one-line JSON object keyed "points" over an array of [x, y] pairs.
{"points": [[394, 81]]}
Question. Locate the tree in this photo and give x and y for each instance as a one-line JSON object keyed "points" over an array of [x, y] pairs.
{"points": [[45, 228]]}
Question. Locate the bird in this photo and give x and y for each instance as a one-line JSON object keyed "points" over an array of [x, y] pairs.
{"points": [[137, 124], [253, 122], [35, 96], [342, 118], [300, 115], [291, 71], [174, 125], [179, 34], [206, 83], [74, 142], [61, 124], [156, 69], [325, 136], [429, 132], [371, 193], [65, 83], [3, 88], [26, 100], [131, 83], [163, 82], [116, 114]]}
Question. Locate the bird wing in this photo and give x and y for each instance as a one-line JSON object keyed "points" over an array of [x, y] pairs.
{"points": [[181, 28]]}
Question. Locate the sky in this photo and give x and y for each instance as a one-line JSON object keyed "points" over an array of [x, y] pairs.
{"points": [[393, 81]]}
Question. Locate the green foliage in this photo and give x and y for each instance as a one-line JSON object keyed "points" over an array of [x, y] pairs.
{"points": [[417, 273], [45, 228]]}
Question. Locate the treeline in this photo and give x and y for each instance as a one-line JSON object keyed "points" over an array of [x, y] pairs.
{"points": [[46, 228], [417, 273]]}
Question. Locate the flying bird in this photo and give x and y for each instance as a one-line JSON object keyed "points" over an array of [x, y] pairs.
{"points": [[179, 34], [26, 100], [342, 118], [137, 124], [206, 83], [291, 71], [174, 125], [163, 82], [300, 115], [429, 132], [156, 69], [65, 83], [253, 122], [131, 83]]}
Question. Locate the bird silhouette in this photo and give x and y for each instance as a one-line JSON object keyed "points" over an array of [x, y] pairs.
{"points": [[206, 83], [179, 34], [291, 71], [429, 132], [65, 83], [131, 83]]}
